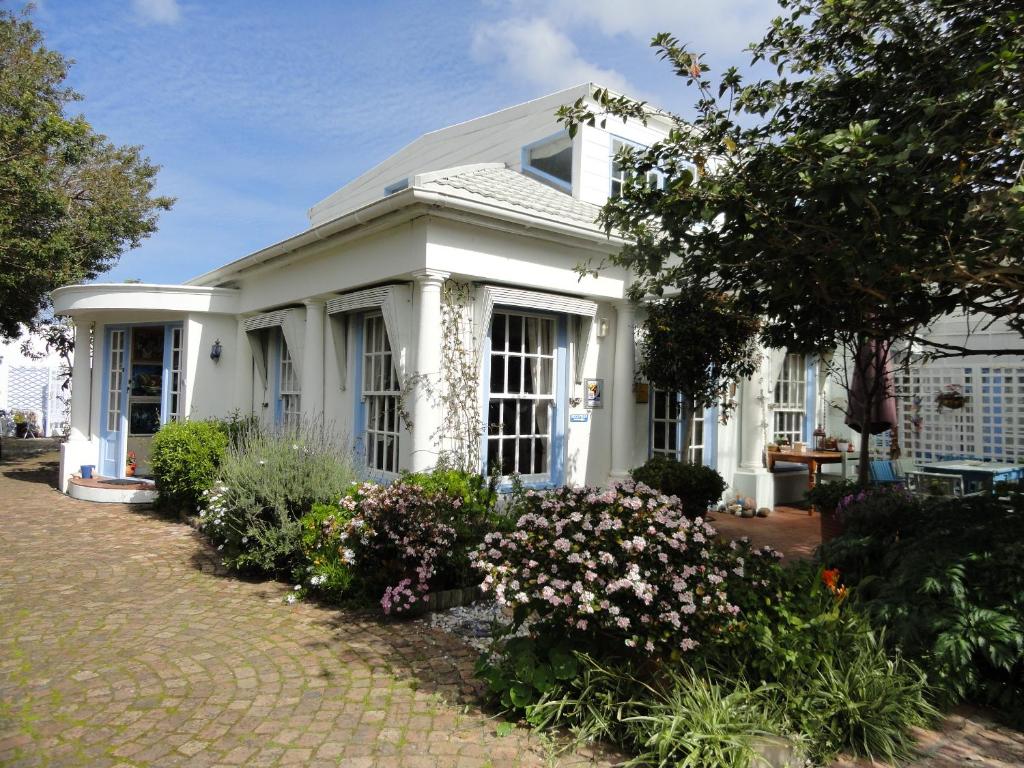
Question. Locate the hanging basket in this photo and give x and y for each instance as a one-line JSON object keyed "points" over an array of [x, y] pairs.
{"points": [[952, 400]]}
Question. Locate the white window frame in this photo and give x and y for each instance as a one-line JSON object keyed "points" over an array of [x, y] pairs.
{"points": [[380, 397], [617, 173], [496, 437], [115, 397], [675, 420], [174, 391], [789, 399]]}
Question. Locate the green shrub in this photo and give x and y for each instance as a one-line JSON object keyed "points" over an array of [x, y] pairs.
{"points": [[396, 543], [947, 581], [696, 486], [267, 482], [684, 717], [185, 458], [799, 660], [328, 571]]}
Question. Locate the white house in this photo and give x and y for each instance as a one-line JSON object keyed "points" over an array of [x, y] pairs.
{"points": [[440, 285]]}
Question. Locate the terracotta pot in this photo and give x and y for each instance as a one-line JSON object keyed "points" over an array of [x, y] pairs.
{"points": [[129, 470]]}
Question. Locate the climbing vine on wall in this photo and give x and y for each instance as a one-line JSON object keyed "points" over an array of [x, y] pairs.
{"points": [[459, 396]]}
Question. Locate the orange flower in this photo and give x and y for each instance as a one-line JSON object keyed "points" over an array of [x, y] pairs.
{"points": [[831, 577]]}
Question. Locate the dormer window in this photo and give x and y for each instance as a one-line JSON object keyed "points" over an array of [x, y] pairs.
{"points": [[550, 159]]}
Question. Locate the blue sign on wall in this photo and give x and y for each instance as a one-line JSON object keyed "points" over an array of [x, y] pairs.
{"points": [[579, 417]]}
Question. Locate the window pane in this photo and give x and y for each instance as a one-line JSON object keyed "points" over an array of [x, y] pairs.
{"points": [[498, 333], [497, 373], [508, 456], [494, 417], [554, 158], [515, 373], [515, 333]]}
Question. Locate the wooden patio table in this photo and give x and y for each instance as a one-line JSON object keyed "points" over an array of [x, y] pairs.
{"points": [[813, 460]]}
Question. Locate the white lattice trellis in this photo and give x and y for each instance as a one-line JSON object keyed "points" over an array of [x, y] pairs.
{"points": [[35, 389], [989, 426]]}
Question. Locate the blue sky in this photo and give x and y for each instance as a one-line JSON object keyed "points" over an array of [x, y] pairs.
{"points": [[256, 110]]}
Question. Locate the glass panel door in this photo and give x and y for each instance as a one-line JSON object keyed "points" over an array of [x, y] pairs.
{"points": [[145, 395]]}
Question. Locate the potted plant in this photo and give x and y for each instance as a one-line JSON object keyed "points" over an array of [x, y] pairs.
{"points": [[825, 499], [20, 423], [130, 464]]}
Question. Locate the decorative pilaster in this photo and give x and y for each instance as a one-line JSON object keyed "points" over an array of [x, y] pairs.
{"points": [[311, 378], [81, 383], [426, 416], [243, 371], [623, 421]]}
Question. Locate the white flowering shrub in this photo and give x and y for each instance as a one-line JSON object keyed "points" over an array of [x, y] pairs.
{"points": [[620, 569]]}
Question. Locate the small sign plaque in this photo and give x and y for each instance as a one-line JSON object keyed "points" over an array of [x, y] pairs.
{"points": [[579, 418], [593, 391]]}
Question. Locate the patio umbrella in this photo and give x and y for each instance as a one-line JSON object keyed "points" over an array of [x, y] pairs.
{"points": [[872, 379]]}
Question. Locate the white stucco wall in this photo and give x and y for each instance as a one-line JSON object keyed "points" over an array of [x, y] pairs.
{"points": [[209, 392]]}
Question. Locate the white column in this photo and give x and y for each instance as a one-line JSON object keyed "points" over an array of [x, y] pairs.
{"points": [[79, 449], [81, 384], [753, 415], [311, 378], [752, 479], [243, 371], [623, 421], [425, 407]]}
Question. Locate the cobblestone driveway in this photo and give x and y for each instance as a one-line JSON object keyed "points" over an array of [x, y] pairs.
{"points": [[121, 645]]}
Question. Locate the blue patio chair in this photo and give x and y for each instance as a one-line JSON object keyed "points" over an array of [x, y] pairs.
{"points": [[883, 473]]}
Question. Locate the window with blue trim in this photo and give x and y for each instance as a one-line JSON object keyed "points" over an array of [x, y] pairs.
{"points": [[551, 160], [668, 420], [523, 392], [380, 396]]}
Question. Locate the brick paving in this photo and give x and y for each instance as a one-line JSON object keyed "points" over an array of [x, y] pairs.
{"points": [[793, 532], [122, 643]]}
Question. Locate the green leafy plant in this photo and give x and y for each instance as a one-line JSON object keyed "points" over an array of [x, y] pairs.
{"points": [[395, 544], [326, 568], [946, 580], [267, 482], [696, 486], [185, 457]]}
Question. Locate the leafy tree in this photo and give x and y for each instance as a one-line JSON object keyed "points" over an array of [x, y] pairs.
{"points": [[869, 188], [70, 201], [697, 343]]}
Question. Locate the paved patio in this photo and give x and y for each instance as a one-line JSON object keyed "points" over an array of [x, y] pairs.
{"points": [[123, 644], [793, 532]]}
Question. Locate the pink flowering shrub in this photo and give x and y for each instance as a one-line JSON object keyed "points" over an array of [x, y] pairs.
{"points": [[623, 568], [395, 539]]}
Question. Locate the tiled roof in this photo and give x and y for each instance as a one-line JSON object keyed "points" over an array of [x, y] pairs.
{"points": [[516, 190]]}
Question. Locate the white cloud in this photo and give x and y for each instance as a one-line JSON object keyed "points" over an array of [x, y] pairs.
{"points": [[158, 11], [532, 50], [723, 26]]}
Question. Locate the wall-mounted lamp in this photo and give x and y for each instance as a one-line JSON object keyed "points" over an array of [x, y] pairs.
{"points": [[215, 351], [602, 327]]}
